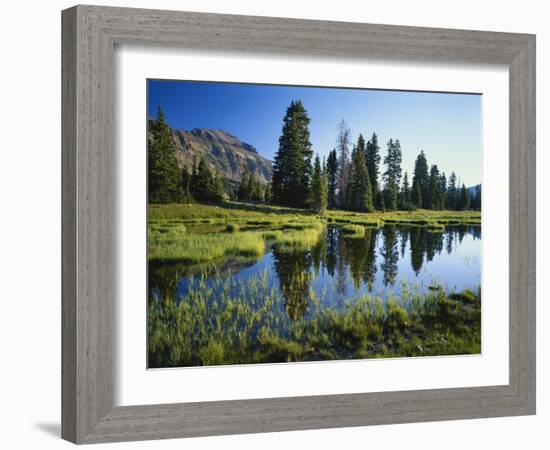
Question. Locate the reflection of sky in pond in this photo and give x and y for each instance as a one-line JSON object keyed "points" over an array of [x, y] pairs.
{"points": [[340, 269]]}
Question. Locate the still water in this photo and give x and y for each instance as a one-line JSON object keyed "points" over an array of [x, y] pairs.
{"points": [[339, 269]]}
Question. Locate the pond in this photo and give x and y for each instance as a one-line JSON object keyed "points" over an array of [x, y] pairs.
{"points": [[392, 291], [339, 268]]}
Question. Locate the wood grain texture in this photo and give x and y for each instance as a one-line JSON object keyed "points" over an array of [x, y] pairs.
{"points": [[89, 36], [68, 226]]}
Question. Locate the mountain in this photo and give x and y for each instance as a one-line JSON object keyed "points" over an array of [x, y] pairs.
{"points": [[224, 152]]}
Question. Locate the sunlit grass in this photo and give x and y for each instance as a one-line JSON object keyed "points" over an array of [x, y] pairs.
{"points": [[173, 244], [354, 231], [435, 227], [298, 240], [232, 227], [255, 321], [235, 323], [195, 248], [269, 215], [191, 232]]}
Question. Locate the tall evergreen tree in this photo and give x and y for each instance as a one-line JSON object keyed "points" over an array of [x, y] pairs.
{"points": [[476, 200], [252, 188], [267, 193], [319, 187], [464, 199], [258, 192], [420, 184], [417, 195], [434, 189], [372, 154], [381, 200], [217, 194], [406, 195], [164, 175], [292, 166], [360, 185], [244, 186], [332, 175], [203, 182], [451, 194], [442, 190], [342, 147], [392, 175], [185, 185]]}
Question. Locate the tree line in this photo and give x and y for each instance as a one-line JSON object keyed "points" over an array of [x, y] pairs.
{"points": [[351, 179]]}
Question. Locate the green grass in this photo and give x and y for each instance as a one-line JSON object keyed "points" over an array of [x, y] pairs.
{"points": [[190, 233], [244, 323], [173, 228], [232, 227], [298, 240], [311, 225], [268, 215], [236, 324], [421, 217], [174, 245], [355, 231], [435, 227], [197, 248]]}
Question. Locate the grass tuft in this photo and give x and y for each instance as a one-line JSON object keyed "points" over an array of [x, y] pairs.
{"points": [[232, 227], [354, 231], [247, 324]]}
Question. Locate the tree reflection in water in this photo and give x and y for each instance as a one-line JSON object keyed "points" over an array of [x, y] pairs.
{"points": [[338, 262]]}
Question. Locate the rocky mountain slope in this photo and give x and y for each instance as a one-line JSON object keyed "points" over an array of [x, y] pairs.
{"points": [[224, 152]]}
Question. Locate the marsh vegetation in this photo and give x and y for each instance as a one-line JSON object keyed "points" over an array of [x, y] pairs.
{"points": [[244, 284]]}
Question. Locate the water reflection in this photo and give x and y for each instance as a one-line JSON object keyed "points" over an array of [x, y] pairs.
{"points": [[339, 269]]}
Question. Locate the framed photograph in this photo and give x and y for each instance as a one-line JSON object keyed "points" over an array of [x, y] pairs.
{"points": [[278, 224]]}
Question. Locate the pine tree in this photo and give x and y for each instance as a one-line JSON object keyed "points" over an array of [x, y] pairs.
{"points": [[164, 175], [372, 153], [417, 195], [381, 200], [476, 201], [267, 193], [251, 188], [420, 184], [185, 185], [332, 175], [442, 190], [433, 191], [243, 192], [342, 147], [451, 194], [258, 193], [392, 175], [292, 166], [464, 198], [406, 196], [319, 187], [216, 193], [203, 182], [360, 185]]}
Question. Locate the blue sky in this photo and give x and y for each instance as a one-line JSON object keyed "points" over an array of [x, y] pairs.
{"points": [[446, 126]]}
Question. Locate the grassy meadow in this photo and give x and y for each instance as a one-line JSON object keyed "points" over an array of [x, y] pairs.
{"points": [[194, 233]]}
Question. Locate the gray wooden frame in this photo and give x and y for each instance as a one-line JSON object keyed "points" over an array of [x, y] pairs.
{"points": [[89, 37]]}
